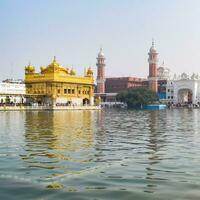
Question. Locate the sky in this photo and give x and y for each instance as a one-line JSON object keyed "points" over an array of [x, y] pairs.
{"points": [[74, 30]]}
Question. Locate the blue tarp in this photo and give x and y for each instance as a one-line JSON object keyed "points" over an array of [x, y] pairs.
{"points": [[162, 95], [161, 106]]}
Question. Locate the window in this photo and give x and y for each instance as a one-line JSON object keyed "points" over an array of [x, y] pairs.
{"points": [[58, 91], [73, 91], [69, 91], [79, 92], [65, 91], [168, 97], [172, 97], [168, 90]]}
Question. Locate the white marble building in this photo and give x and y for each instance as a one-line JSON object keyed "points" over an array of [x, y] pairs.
{"points": [[184, 89], [181, 89], [163, 72], [12, 92]]}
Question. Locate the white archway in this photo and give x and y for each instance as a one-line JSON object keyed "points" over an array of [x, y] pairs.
{"points": [[185, 96], [185, 91]]}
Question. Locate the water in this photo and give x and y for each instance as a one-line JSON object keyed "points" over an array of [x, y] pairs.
{"points": [[113, 154]]}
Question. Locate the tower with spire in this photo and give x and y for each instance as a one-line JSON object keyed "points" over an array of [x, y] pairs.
{"points": [[101, 72], [153, 62]]}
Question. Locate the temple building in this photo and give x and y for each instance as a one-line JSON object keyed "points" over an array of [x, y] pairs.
{"points": [[12, 92], [58, 85]]}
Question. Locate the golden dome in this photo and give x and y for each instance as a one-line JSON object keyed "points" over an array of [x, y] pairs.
{"points": [[54, 64], [67, 70], [89, 72], [30, 68], [42, 68], [73, 72]]}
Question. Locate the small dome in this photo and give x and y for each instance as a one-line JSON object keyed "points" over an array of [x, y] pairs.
{"points": [[30, 68], [89, 72], [163, 68], [163, 72], [42, 68], [152, 49], [160, 69], [54, 64], [101, 54], [73, 72], [67, 70]]}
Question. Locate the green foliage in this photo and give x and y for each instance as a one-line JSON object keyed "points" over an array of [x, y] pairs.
{"points": [[135, 98]]}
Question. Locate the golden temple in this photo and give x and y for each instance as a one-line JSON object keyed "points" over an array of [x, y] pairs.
{"points": [[57, 85]]}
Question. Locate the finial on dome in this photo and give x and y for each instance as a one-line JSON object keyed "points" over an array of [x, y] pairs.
{"points": [[54, 59], [153, 43], [101, 54], [153, 49]]}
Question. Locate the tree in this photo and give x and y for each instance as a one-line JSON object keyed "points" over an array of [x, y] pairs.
{"points": [[135, 98]]}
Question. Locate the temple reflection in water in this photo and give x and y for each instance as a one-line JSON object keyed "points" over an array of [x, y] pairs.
{"points": [[63, 142], [156, 143]]}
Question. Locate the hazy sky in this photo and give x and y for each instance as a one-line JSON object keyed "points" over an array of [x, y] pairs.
{"points": [[74, 30]]}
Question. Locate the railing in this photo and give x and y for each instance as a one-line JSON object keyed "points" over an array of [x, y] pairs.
{"points": [[113, 104], [47, 107]]}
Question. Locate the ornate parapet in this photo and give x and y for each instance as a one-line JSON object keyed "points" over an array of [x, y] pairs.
{"points": [[55, 72], [185, 76]]}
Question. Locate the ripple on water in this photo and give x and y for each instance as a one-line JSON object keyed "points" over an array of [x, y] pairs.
{"points": [[112, 154]]}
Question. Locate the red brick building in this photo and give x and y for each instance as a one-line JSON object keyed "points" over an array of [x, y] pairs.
{"points": [[117, 84]]}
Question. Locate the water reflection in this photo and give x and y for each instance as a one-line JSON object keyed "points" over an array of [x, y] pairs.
{"points": [[101, 138], [113, 154], [155, 145], [58, 142]]}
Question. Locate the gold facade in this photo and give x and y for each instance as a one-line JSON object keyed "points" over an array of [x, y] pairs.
{"points": [[58, 85]]}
